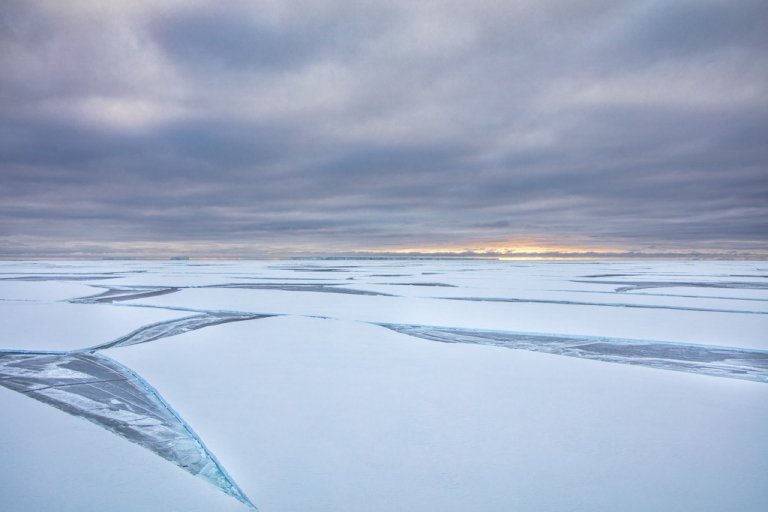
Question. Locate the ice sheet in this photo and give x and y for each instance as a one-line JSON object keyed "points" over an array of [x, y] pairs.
{"points": [[56, 462], [321, 409], [328, 415], [96, 388], [711, 328], [64, 326], [43, 291]]}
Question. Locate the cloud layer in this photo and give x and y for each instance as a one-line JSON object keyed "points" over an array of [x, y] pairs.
{"points": [[253, 128]]}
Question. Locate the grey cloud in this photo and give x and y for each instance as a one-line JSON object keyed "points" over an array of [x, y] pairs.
{"points": [[346, 125], [218, 38], [664, 30]]}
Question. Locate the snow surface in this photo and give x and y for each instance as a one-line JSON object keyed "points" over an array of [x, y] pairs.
{"points": [[730, 329], [64, 326], [318, 408], [55, 462]]}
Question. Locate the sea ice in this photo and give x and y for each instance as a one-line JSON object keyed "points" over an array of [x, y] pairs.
{"points": [[107, 393], [329, 402], [174, 327], [748, 364]]}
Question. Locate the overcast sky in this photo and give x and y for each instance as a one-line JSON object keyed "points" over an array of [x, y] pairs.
{"points": [[265, 127]]}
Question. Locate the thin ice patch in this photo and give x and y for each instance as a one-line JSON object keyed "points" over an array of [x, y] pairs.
{"points": [[60, 277], [104, 392], [168, 328], [119, 294], [736, 363], [608, 304], [294, 287], [629, 286]]}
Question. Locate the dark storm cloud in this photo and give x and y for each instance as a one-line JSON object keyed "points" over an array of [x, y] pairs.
{"points": [[258, 126]]}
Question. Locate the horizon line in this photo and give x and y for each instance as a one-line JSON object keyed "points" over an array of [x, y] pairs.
{"points": [[443, 255]]}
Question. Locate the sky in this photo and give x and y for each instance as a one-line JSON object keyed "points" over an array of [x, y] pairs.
{"points": [[264, 128]]}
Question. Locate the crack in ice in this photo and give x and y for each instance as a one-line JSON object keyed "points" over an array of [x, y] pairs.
{"points": [[642, 285], [665, 295], [92, 386], [109, 394], [117, 294], [737, 363], [436, 285], [68, 277], [606, 304], [174, 327], [293, 287]]}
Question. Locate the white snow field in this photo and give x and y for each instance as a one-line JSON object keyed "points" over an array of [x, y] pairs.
{"points": [[380, 385]]}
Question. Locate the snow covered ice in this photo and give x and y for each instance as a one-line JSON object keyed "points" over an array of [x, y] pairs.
{"points": [[106, 393], [384, 385]]}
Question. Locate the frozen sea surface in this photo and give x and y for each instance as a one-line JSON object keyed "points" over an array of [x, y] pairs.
{"points": [[379, 385], [96, 388]]}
